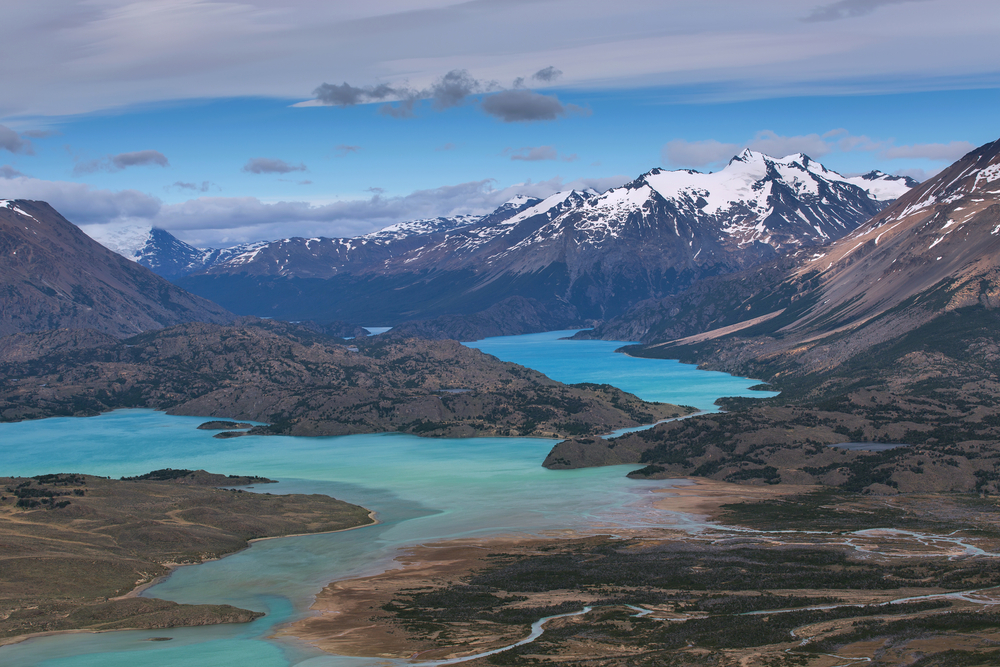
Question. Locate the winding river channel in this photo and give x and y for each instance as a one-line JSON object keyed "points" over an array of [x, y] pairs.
{"points": [[421, 489]]}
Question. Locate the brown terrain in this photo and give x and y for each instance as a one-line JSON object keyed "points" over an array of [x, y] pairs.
{"points": [[303, 383], [54, 276], [817, 583], [75, 549]]}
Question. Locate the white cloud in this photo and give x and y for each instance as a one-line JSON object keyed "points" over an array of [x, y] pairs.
{"points": [[216, 221]]}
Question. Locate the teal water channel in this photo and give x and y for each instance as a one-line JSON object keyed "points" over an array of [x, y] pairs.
{"points": [[421, 489]]}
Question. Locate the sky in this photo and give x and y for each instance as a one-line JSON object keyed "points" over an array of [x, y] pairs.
{"points": [[227, 122]]}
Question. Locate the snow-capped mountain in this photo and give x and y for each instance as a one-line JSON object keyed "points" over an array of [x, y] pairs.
{"points": [[600, 252]]}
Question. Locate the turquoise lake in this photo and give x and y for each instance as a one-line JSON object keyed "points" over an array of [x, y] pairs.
{"points": [[421, 489]]}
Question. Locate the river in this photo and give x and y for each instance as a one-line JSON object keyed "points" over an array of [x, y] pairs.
{"points": [[421, 489]]}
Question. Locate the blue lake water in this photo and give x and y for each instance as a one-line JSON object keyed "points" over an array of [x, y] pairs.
{"points": [[421, 489], [664, 380]]}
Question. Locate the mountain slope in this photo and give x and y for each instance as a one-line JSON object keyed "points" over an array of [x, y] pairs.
{"points": [[53, 276], [596, 253], [889, 335]]}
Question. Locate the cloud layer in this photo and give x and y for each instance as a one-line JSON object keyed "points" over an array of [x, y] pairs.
{"points": [[220, 221], [63, 57]]}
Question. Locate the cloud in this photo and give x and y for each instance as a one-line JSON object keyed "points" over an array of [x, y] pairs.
{"points": [[204, 186], [846, 9], [80, 57], [451, 90], [12, 141], [519, 106], [446, 147], [537, 154], [944, 152], [345, 149], [268, 165], [346, 95], [696, 154], [548, 74], [113, 163], [218, 221], [139, 158], [81, 204], [7, 171]]}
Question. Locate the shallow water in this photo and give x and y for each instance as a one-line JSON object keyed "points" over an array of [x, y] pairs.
{"points": [[422, 490]]}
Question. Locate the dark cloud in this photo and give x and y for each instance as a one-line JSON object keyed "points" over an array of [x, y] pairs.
{"points": [[268, 165], [548, 74], [113, 163], [138, 159], [346, 95], [12, 141], [204, 186], [8, 172], [845, 9], [514, 106], [345, 149], [452, 89]]}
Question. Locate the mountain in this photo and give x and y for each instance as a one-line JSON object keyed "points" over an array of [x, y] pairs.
{"points": [[888, 338], [936, 249], [596, 253], [53, 276]]}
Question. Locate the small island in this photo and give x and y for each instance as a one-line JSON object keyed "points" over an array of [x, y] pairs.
{"points": [[78, 548]]}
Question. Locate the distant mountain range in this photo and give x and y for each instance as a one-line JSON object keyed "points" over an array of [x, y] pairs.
{"points": [[596, 254], [54, 276]]}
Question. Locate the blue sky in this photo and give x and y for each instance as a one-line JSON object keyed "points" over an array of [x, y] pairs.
{"points": [[211, 119]]}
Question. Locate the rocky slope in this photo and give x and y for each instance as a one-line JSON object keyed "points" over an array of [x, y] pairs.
{"points": [[52, 275]]}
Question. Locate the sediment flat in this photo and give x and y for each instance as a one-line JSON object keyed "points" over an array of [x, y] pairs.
{"points": [[76, 549]]}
